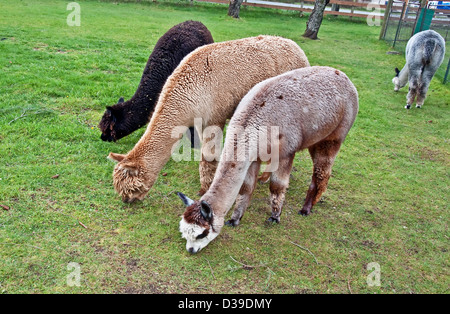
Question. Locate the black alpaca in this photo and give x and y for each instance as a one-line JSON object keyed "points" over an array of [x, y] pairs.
{"points": [[127, 116]]}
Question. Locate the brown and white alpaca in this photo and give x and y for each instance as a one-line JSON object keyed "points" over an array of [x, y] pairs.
{"points": [[312, 108], [208, 84]]}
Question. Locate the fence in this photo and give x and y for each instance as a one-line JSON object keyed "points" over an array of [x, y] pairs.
{"points": [[355, 8], [404, 19]]}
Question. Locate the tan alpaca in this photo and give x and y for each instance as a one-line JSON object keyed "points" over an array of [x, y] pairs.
{"points": [[208, 84], [312, 108]]}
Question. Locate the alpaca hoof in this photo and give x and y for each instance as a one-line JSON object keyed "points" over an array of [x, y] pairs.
{"points": [[273, 220], [232, 223], [407, 106], [305, 212], [419, 106]]}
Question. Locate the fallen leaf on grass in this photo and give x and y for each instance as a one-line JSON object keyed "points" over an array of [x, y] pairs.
{"points": [[4, 207], [56, 176]]}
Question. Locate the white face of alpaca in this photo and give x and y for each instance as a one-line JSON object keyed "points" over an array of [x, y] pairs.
{"points": [[197, 237], [196, 225], [396, 82]]}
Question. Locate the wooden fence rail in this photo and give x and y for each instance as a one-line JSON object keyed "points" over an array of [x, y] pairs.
{"points": [[288, 6], [360, 6]]}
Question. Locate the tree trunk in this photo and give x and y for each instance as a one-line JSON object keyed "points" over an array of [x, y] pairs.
{"points": [[234, 8], [315, 19]]}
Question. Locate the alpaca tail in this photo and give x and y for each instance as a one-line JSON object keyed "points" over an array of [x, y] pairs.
{"points": [[430, 47]]}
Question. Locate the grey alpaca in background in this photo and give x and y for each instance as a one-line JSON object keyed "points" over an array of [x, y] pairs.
{"points": [[424, 54]]}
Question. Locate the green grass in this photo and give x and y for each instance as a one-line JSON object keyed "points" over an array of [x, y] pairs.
{"points": [[387, 200]]}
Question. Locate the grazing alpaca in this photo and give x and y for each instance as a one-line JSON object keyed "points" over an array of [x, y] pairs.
{"points": [[208, 84], [424, 54], [313, 108], [127, 116]]}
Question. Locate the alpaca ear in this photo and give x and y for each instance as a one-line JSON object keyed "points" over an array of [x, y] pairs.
{"points": [[120, 100], [116, 157], [397, 72], [206, 210], [110, 113], [186, 200]]}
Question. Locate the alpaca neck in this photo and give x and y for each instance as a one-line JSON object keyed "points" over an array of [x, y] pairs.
{"points": [[141, 109], [152, 80], [226, 186], [143, 102], [135, 113], [240, 151], [155, 146], [145, 98], [403, 76], [146, 94]]}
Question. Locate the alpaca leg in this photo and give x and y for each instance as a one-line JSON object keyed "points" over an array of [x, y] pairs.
{"points": [[427, 75], [193, 137], [245, 194], [323, 155], [414, 80], [279, 182], [210, 150], [421, 95], [207, 170]]}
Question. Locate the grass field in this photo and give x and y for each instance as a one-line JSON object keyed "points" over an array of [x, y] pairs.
{"points": [[387, 201]]}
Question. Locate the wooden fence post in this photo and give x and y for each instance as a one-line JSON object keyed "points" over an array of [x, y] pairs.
{"points": [[446, 72], [385, 20], [399, 25], [352, 10]]}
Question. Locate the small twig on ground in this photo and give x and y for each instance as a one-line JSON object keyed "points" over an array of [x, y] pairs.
{"points": [[348, 285], [212, 272], [166, 196], [306, 249], [68, 215], [171, 192], [270, 272], [245, 266], [19, 244], [315, 259], [21, 116], [24, 114]]}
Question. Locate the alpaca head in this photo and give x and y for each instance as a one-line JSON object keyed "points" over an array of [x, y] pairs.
{"points": [[396, 80], [131, 179], [112, 123], [197, 224]]}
